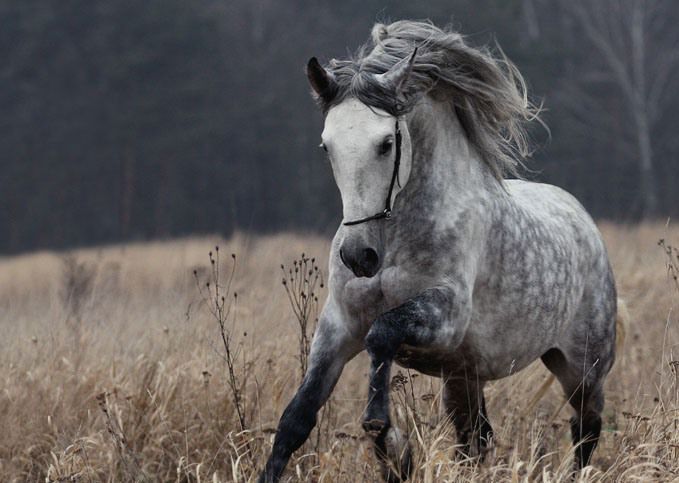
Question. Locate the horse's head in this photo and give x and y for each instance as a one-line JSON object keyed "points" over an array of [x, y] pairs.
{"points": [[371, 157]]}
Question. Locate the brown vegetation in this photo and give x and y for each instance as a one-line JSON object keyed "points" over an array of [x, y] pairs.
{"points": [[113, 368]]}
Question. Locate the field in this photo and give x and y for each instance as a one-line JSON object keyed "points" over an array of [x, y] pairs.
{"points": [[113, 368]]}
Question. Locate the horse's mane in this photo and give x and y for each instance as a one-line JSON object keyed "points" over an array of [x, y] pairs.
{"points": [[486, 90]]}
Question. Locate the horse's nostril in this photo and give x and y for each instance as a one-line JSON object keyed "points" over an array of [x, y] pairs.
{"points": [[370, 258], [363, 262]]}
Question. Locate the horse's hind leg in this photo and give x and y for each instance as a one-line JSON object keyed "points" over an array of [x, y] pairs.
{"points": [[581, 373], [466, 406]]}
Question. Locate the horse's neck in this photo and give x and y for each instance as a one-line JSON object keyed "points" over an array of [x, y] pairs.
{"points": [[446, 171]]}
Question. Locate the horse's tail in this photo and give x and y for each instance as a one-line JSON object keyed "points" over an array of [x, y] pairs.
{"points": [[622, 319]]}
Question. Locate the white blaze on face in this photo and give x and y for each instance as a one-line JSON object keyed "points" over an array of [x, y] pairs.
{"points": [[361, 145]]}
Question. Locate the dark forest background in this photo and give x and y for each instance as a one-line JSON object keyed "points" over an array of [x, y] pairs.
{"points": [[128, 119]]}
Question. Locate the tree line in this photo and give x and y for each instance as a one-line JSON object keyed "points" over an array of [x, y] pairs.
{"points": [[126, 120]]}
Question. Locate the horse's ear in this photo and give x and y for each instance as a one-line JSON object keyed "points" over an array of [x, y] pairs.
{"points": [[322, 82], [398, 75]]}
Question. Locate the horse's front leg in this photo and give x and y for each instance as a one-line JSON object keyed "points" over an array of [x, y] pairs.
{"points": [[436, 318], [332, 347]]}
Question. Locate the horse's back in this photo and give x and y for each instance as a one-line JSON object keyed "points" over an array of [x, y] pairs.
{"points": [[549, 203]]}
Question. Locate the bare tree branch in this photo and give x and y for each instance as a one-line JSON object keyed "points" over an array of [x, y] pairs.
{"points": [[632, 38]]}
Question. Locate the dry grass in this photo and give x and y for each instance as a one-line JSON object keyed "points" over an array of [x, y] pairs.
{"points": [[113, 370]]}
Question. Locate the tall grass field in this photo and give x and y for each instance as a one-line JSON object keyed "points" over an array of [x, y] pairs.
{"points": [[172, 361]]}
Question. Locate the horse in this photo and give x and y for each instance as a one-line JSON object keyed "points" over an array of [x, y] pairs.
{"points": [[442, 263]]}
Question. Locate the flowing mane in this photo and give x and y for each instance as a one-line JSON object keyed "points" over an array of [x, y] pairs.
{"points": [[486, 91]]}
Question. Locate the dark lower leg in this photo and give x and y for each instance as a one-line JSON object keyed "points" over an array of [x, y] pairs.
{"points": [[299, 416], [376, 417], [391, 447], [585, 431], [466, 406], [474, 433], [381, 344], [485, 429], [297, 421], [583, 386]]}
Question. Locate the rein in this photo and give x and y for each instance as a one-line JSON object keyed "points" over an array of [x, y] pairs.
{"points": [[386, 213]]}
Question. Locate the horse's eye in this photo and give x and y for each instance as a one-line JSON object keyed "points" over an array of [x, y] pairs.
{"points": [[325, 148], [385, 147]]}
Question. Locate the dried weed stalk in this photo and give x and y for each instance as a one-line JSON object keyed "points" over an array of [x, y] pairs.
{"points": [[77, 286], [77, 282], [130, 462], [301, 282], [220, 301], [671, 261]]}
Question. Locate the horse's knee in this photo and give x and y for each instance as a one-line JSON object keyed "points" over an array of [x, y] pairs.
{"points": [[382, 341]]}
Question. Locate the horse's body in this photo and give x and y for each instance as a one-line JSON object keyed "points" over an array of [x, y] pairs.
{"points": [[471, 279]]}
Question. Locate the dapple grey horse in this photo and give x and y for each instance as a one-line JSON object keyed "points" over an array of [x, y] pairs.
{"points": [[441, 264]]}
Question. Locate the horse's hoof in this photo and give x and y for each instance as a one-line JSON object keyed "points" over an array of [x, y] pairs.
{"points": [[395, 455], [374, 425]]}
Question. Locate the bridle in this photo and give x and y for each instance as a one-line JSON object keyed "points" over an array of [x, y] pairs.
{"points": [[386, 213]]}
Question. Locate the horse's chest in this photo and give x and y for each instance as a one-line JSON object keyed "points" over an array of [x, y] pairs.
{"points": [[367, 298]]}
